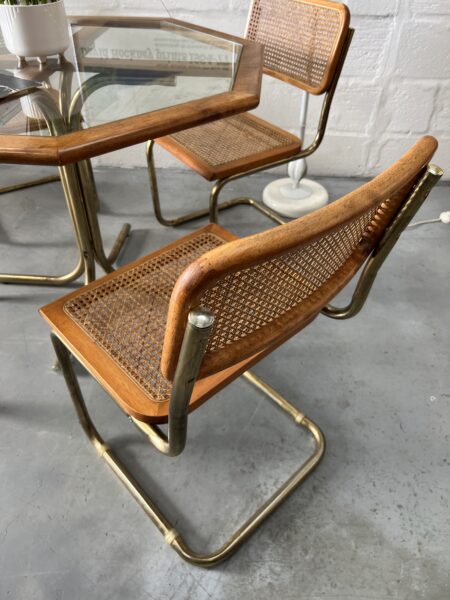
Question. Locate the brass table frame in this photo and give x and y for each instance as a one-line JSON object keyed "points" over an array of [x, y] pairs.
{"points": [[78, 145], [80, 193], [29, 184]]}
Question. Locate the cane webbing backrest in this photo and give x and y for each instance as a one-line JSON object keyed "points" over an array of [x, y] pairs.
{"points": [[265, 288], [302, 39]]}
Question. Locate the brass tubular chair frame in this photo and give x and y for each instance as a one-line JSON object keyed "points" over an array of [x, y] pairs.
{"points": [[194, 345], [82, 201], [373, 264], [214, 206]]}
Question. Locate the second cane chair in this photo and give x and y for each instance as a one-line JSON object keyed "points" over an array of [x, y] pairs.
{"points": [[166, 333], [305, 45]]}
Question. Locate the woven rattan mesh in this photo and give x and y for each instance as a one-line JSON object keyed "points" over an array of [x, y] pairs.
{"points": [[127, 315], [299, 37], [249, 299], [234, 138]]}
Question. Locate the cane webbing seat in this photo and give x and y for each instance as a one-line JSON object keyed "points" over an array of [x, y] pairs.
{"points": [[126, 315], [127, 328], [221, 148], [116, 325]]}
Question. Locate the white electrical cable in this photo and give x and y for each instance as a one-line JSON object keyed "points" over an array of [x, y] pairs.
{"points": [[424, 222], [443, 218]]}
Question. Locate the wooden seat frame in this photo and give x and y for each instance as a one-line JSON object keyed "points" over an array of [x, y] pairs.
{"points": [[190, 359], [214, 206]]}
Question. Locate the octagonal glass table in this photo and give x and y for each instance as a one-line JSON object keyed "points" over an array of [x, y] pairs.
{"points": [[121, 82]]}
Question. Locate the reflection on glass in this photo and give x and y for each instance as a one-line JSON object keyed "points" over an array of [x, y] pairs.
{"points": [[111, 73]]}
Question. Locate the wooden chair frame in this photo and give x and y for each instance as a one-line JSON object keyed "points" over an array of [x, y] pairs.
{"points": [[214, 206]]}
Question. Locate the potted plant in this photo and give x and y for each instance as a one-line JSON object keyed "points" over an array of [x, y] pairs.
{"points": [[34, 28]]}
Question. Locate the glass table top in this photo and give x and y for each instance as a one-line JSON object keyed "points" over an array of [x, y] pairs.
{"points": [[113, 72]]}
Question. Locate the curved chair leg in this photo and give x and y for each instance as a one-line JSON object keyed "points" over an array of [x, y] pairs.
{"points": [[171, 535], [214, 208], [155, 195]]}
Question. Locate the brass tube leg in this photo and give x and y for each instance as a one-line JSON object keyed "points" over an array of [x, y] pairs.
{"points": [[28, 184], [276, 499], [91, 203], [88, 181], [74, 197], [154, 190], [85, 263], [171, 535], [54, 280], [214, 201], [82, 201], [214, 206]]}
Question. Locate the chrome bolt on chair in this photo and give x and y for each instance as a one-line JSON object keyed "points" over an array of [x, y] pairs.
{"points": [[166, 333], [305, 45]]}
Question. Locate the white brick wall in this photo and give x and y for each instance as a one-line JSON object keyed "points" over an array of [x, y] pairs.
{"points": [[395, 86]]}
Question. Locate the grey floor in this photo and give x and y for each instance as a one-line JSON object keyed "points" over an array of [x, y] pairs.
{"points": [[372, 523]]}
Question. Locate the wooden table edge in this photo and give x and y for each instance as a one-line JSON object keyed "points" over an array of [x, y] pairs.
{"points": [[101, 139]]}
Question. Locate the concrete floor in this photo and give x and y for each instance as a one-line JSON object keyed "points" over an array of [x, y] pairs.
{"points": [[372, 523]]}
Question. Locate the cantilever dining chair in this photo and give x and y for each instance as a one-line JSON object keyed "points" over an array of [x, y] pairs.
{"points": [[305, 45], [166, 333]]}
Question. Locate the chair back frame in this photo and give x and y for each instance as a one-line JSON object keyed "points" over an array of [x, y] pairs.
{"points": [[304, 153], [294, 55], [339, 55], [378, 203], [200, 323], [382, 250], [195, 341]]}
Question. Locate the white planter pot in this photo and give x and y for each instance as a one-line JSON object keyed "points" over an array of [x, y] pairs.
{"points": [[39, 30]]}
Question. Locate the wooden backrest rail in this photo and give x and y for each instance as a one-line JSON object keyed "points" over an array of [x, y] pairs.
{"points": [[264, 288]]}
